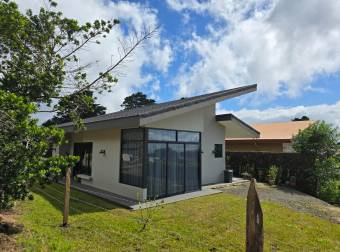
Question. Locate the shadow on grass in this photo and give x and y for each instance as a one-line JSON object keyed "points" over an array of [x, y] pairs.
{"points": [[80, 202]]}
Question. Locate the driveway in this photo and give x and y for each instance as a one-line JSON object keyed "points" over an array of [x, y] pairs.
{"points": [[290, 198]]}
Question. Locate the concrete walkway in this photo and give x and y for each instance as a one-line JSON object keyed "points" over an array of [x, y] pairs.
{"points": [[134, 204], [236, 181], [112, 197], [176, 198]]}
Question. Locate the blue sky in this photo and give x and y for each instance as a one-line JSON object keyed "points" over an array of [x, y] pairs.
{"points": [[290, 49], [322, 88]]}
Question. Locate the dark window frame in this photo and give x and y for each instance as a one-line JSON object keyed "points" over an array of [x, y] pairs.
{"points": [[122, 142], [145, 153], [218, 150]]}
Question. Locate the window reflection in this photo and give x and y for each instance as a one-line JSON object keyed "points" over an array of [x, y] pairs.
{"points": [[161, 135], [185, 136]]}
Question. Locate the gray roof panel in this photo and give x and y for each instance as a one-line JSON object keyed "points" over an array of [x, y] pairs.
{"points": [[159, 108]]}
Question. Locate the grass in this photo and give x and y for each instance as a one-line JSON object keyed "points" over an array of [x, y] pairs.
{"points": [[211, 223]]}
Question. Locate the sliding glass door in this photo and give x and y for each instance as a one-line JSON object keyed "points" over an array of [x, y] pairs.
{"points": [[176, 172], [156, 163], [192, 160], [172, 168]]}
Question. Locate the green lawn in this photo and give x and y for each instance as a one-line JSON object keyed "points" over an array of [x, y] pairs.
{"points": [[211, 223]]}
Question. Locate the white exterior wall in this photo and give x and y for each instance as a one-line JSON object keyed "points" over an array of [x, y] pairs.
{"points": [[202, 120], [105, 168]]}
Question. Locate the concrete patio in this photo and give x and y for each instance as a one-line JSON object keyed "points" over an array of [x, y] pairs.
{"points": [[135, 205]]}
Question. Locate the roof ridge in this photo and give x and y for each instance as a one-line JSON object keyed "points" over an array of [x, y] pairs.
{"points": [[157, 108]]}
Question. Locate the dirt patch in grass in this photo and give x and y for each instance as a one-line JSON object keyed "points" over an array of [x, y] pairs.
{"points": [[290, 198], [8, 242]]}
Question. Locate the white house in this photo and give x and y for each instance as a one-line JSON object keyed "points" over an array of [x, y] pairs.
{"points": [[158, 150]]}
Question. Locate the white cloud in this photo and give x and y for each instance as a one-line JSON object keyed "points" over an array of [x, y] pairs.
{"points": [[327, 112], [281, 45], [163, 58], [137, 17]]}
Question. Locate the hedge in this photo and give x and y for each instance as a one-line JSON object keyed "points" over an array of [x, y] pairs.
{"points": [[294, 168]]}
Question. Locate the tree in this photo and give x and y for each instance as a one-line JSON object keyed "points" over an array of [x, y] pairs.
{"points": [[303, 118], [136, 100], [320, 142], [39, 55], [73, 110], [40, 67], [23, 145]]}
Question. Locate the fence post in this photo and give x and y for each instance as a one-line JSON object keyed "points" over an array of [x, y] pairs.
{"points": [[254, 221], [67, 196]]}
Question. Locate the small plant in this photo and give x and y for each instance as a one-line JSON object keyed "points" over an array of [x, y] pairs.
{"points": [[146, 213], [272, 174], [246, 175]]}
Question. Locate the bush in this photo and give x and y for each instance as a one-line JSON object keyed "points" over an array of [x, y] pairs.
{"points": [[272, 176], [320, 141], [328, 175], [330, 192]]}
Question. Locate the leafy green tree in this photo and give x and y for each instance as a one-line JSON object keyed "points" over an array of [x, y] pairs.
{"points": [[39, 55], [73, 110], [23, 146], [136, 100], [40, 68], [320, 142]]}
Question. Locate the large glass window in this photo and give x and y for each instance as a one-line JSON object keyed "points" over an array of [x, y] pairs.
{"points": [[132, 149], [166, 162], [186, 136], [162, 135], [84, 152], [131, 172], [133, 134]]}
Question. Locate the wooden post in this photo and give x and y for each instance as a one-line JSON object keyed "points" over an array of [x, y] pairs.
{"points": [[67, 196], [254, 232]]}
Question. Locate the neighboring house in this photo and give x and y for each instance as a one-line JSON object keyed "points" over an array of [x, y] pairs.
{"points": [[274, 137], [157, 150]]}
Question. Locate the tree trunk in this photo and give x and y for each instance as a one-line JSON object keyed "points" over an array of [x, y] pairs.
{"points": [[67, 196]]}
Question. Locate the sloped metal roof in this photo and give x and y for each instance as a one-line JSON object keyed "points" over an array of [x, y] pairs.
{"points": [[154, 109]]}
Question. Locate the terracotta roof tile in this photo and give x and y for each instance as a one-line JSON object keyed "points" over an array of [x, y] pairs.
{"points": [[278, 130]]}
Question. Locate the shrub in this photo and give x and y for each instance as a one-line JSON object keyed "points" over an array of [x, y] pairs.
{"points": [[320, 141], [330, 192], [272, 174], [328, 175]]}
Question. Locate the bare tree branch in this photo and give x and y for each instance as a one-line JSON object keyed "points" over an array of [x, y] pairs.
{"points": [[127, 53], [83, 44]]}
